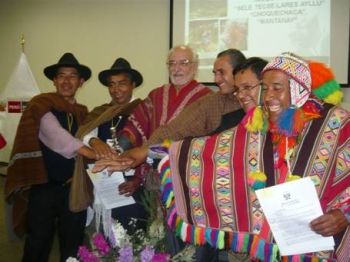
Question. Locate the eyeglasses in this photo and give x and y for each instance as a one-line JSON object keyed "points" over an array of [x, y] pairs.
{"points": [[245, 88], [181, 63]]}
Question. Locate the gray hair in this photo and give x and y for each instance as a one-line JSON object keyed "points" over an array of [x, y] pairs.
{"points": [[184, 48]]}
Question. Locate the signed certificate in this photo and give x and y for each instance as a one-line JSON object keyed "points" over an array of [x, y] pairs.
{"points": [[106, 188], [289, 208]]}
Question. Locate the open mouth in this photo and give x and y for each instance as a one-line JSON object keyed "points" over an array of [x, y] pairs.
{"points": [[274, 108]]}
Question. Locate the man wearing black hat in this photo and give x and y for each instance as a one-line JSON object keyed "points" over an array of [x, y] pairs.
{"points": [[42, 163], [121, 81], [101, 130]]}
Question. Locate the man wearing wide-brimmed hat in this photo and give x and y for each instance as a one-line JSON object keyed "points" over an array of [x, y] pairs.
{"points": [[42, 163], [101, 130]]}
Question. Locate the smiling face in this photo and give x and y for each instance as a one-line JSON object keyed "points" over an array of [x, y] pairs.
{"points": [[182, 67], [247, 86], [276, 93], [223, 76], [120, 88], [67, 81]]}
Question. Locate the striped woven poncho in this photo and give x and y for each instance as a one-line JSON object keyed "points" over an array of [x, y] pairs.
{"points": [[209, 200]]}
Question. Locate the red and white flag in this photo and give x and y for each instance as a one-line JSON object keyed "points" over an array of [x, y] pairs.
{"points": [[20, 88]]}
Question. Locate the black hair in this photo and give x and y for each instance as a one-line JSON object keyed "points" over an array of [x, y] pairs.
{"points": [[236, 56], [128, 75], [256, 64]]}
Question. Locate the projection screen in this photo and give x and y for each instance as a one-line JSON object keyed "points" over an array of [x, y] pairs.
{"points": [[317, 30]]}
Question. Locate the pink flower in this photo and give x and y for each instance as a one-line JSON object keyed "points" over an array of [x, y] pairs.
{"points": [[85, 255], [161, 257], [101, 244]]}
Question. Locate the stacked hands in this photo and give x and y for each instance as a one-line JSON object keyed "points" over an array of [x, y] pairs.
{"points": [[107, 158], [110, 160]]}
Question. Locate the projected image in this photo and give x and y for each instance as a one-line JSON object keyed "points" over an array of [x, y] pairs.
{"points": [[200, 9], [318, 44], [203, 36], [261, 28], [234, 34]]}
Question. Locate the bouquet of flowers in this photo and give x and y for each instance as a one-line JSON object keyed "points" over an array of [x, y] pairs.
{"points": [[141, 246]]}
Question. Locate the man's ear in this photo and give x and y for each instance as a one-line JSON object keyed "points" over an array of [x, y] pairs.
{"points": [[82, 81]]}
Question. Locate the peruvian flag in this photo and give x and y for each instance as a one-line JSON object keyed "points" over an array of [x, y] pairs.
{"points": [[20, 88]]}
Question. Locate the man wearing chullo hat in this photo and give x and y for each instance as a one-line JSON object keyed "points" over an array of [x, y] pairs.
{"points": [[100, 131], [300, 131], [42, 163]]}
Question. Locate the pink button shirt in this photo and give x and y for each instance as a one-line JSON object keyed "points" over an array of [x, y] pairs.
{"points": [[58, 139]]}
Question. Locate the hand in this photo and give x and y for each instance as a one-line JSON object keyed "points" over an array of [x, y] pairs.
{"points": [[128, 188], [101, 149], [330, 223], [138, 154], [116, 164], [87, 152]]}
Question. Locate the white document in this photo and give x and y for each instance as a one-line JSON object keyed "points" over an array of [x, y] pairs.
{"points": [[289, 208], [106, 188]]}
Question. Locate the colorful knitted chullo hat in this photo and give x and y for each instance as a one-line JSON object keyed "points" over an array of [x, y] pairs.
{"points": [[299, 76]]}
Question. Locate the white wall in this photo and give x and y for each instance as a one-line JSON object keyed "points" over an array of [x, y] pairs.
{"points": [[96, 31], [346, 100]]}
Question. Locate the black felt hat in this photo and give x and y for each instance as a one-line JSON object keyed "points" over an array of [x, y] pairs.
{"points": [[120, 65], [68, 60]]}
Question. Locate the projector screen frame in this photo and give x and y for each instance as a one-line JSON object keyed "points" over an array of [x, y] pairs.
{"points": [[171, 44]]}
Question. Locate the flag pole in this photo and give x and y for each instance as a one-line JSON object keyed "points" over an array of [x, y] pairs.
{"points": [[22, 42]]}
